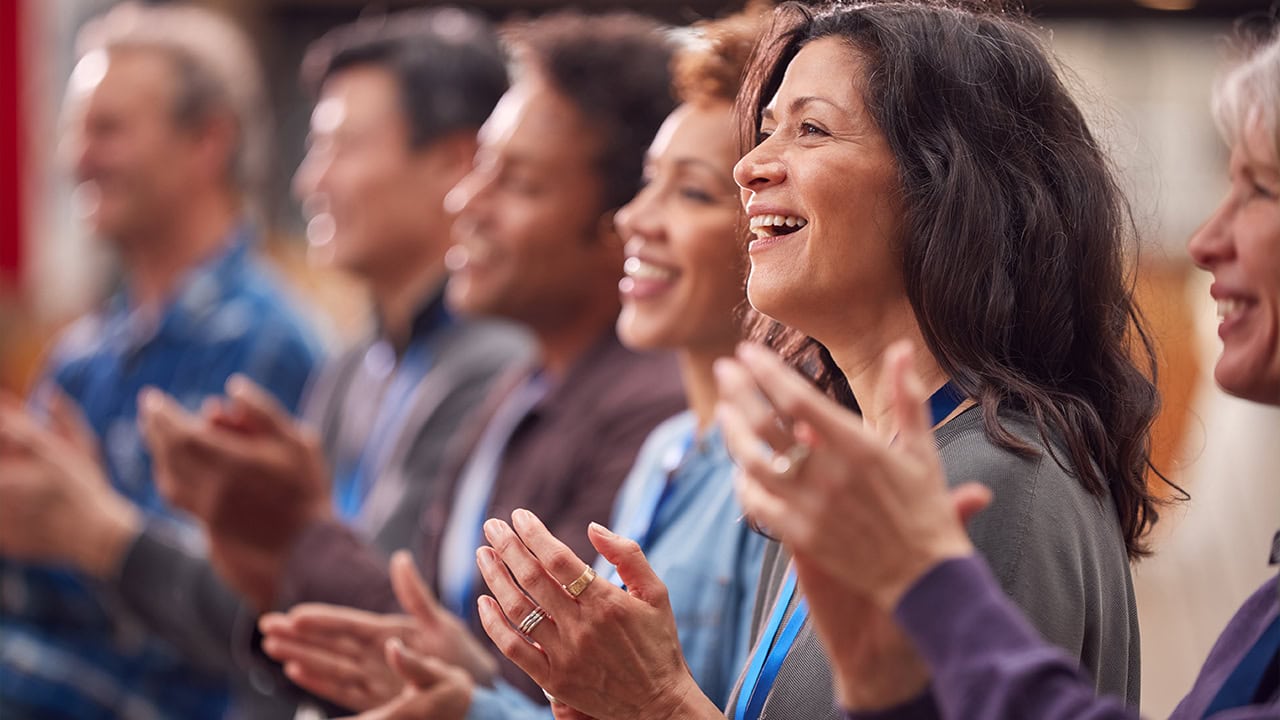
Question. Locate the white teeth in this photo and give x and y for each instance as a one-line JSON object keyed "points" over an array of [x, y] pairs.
{"points": [[764, 225], [1228, 306], [636, 268]]}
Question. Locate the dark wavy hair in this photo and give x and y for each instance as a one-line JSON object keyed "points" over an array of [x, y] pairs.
{"points": [[1015, 229]]}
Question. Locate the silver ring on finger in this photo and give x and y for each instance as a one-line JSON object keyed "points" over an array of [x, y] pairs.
{"points": [[787, 463], [532, 620]]}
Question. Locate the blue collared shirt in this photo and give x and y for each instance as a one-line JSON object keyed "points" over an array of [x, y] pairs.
{"points": [[699, 546], [67, 650]]}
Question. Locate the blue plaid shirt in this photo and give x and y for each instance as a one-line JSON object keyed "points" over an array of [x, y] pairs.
{"points": [[67, 649]]}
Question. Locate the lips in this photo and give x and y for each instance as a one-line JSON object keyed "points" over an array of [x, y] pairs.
{"points": [[645, 279]]}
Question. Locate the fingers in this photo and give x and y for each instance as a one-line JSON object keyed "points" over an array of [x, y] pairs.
{"points": [[797, 398], [561, 562], [510, 643], [533, 578], [421, 671], [254, 409], [516, 606], [634, 569], [412, 591], [753, 405], [317, 662], [322, 619], [911, 414], [970, 499], [69, 421]]}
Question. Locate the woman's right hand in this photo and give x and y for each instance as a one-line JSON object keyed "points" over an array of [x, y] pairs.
{"points": [[608, 653]]}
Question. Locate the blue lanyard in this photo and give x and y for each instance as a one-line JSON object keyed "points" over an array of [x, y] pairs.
{"points": [[762, 673], [767, 661], [944, 401], [351, 491]]}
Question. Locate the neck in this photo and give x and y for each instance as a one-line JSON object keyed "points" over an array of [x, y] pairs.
{"points": [[564, 341], [861, 360], [157, 262], [700, 383], [397, 300]]}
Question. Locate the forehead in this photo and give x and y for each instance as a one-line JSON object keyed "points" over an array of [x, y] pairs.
{"points": [[534, 122], [126, 78], [1258, 147], [358, 95], [810, 75], [702, 131]]}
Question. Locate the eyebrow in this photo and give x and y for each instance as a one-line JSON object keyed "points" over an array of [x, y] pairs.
{"points": [[726, 182], [799, 104]]}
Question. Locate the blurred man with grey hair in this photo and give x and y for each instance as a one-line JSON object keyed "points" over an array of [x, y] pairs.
{"points": [[166, 133]]}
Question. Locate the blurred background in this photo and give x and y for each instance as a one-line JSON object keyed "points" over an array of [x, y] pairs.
{"points": [[1142, 68]]}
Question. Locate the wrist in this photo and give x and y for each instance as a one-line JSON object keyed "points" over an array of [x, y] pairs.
{"points": [[891, 593], [683, 701]]}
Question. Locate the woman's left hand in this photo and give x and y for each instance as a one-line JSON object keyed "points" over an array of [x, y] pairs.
{"points": [[872, 509], [608, 653]]}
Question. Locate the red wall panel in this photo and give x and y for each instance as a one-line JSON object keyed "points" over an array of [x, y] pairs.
{"points": [[11, 109]]}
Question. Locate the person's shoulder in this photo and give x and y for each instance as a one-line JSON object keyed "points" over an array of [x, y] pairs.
{"points": [[484, 346]]}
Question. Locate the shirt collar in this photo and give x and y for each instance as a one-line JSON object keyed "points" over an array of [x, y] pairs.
{"points": [[200, 291]]}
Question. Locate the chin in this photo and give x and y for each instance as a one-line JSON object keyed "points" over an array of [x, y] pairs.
{"points": [[1249, 385]]}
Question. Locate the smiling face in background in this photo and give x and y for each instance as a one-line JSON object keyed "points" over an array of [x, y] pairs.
{"points": [[1240, 245], [530, 239], [374, 203], [132, 161], [684, 262], [821, 193]]}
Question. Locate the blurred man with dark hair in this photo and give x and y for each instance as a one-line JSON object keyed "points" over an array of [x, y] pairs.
{"points": [[399, 101], [166, 131], [535, 243]]}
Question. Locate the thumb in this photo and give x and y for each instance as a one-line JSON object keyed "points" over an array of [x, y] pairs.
{"points": [[412, 591], [970, 499], [633, 569], [69, 422], [420, 671]]}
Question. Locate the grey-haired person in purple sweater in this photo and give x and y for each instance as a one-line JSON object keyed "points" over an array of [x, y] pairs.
{"points": [[879, 540]]}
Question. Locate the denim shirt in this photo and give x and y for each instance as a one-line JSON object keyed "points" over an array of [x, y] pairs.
{"points": [[66, 649], [700, 547]]}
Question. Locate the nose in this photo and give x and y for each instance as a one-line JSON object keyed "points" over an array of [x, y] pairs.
{"points": [[308, 177], [759, 168], [639, 218], [1213, 243], [465, 195]]}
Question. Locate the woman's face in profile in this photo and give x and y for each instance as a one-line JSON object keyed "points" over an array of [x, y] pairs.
{"points": [[1240, 245], [822, 199], [683, 261]]}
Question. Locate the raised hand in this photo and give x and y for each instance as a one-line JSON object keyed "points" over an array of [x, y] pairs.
{"points": [[56, 504], [606, 652], [254, 476]]}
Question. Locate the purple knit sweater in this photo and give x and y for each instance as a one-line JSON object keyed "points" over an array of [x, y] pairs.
{"points": [[989, 663]]}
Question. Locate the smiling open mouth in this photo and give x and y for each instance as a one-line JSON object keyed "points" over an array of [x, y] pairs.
{"points": [[767, 226]]}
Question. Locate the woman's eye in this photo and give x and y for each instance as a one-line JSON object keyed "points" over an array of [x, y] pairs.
{"points": [[697, 195], [811, 129], [1260, 191]]}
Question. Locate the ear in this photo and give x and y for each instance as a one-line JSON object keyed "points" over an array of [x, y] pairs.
{"points": [[607, 231], [215, 143]]}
